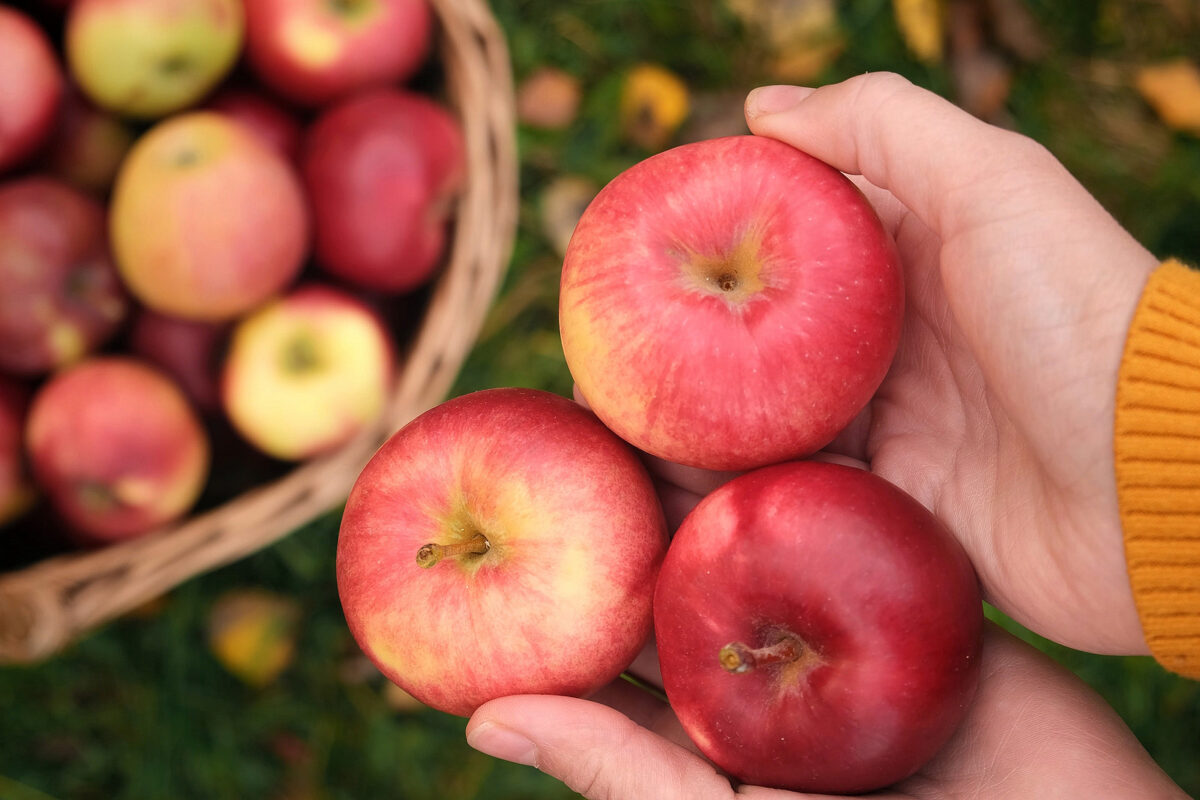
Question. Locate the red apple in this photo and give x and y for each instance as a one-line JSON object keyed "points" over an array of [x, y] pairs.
{"points": [[187, 350], [87, 146], [307, 372], [30, 87], [314, 52], [381, 171], [504, 542], [730, 303], [61, 298], [271, 122], [116, 447], [818, 629], [16, 490], [207, 221]]}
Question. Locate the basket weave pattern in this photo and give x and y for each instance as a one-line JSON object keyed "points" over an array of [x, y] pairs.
{"points": [[48, 605]]}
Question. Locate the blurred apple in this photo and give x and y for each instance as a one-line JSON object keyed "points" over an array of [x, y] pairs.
{"points": [[116, 447], [149, 58], [16, 491], [87, 145], [187, 350], [381, 170], [30, 87], [62, 298], [316, 51], [307, 372], [207, 221], [271, 122], [549, 98]]}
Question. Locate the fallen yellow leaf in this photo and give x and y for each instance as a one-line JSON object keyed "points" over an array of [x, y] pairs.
{"points": [[252, 633], [922, 23], [1173, 90], [654, 103]]}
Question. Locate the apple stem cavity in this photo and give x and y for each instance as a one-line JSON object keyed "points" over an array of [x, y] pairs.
{"points": [[432, 553], [737, 657]]}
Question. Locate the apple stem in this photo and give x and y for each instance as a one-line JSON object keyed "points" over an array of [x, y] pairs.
{"points": [[432, 553], [737, 657]]}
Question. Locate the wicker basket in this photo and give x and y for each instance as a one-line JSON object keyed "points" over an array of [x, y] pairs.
{"points": [[47, 605]]}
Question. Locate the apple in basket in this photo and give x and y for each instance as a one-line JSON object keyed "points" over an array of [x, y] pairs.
{"points": [[31, 83]]}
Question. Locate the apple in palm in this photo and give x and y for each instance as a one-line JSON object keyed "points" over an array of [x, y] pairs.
{"points": [[116, 447], [314, 52], [504, 542], [61, 296], [207, 221], [382, 170], [150, 58], [818, 629], [305, 373], [730, 303], [31, 83]]}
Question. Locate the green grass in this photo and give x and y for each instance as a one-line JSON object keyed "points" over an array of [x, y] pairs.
{"points": [[141, 709]]}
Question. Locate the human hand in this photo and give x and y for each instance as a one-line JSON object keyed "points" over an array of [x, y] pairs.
{"points": [[997, 413]]}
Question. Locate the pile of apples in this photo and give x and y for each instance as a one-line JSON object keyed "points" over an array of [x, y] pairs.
{"points": [[730, 306], [211, 214]]}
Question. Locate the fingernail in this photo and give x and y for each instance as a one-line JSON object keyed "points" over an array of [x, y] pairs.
{"points": [[773, 99], [500, 742]]}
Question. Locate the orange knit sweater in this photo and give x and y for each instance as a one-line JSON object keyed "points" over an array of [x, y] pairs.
{"points": [[1157, 449]]}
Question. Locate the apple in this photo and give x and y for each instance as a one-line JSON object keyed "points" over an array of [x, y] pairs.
{"points": [[730, 303], [188, 351], [16, 490], [207, 221], [817, 628], [273, 124], [314, 52], [31, 84], [116, 447], [307, 372], [87, 146], [150, 58], [62, 298], [382, 170], [504, 542]]}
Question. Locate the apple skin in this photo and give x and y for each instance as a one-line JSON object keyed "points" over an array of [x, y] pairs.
{"points": [[273, 123], [381, 170], [883, 598], [117, 448], [62, 297], [16, 490], [307, 372], [315, 52], [31, 84], [190, 352], [149, 58], [87, 146], [561, 601], [730, 303], [207, 222]]}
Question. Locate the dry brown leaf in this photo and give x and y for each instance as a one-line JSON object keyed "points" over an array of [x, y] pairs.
{"points": [[549, 99], [1173, 90], [982, 82], [802, 36], [922, 24], [1016, 30], [561, 205]]}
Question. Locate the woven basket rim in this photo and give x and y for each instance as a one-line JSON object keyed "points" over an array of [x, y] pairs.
{"points": [[47, 605]]}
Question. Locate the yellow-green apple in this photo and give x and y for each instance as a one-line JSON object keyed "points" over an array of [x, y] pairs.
{"points": [[187, 350], [207, 221], [381, 170], [87, 145], [116, 447], [61, 297], [504, 542], [817, 629], [150, 58], [31, 83], [16, 490], [730, 303], [273, 123], [315, 52], [306, 372]]}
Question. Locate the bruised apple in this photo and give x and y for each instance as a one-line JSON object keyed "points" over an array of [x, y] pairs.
{"points": [[818, 629], [504, 542]]}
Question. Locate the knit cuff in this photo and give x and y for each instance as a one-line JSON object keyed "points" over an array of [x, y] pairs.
{"points": [[1157, 453]]}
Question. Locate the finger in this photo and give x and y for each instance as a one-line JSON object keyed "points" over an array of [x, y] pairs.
{"points": [[693, 479]]}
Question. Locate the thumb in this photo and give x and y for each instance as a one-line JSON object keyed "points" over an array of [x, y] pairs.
{"points": [[595, 750]]}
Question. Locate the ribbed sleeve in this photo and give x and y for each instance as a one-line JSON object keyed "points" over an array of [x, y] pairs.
{"points": [[1157, 450]]}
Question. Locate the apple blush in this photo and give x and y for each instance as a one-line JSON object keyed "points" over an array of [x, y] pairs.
{"points": [[818, 629], [730, 303], [504, 542]]}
